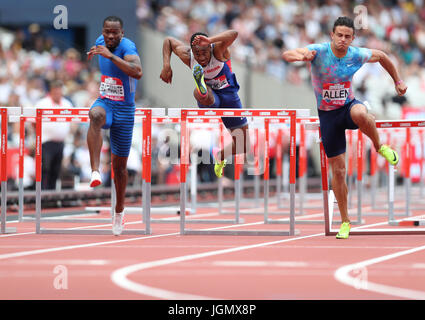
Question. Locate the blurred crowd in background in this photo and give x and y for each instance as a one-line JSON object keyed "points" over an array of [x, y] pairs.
{"points": [[29, 61], [268, 27]]}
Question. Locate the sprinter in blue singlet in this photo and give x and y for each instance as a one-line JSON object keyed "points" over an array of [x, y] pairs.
{"points": [[120, 67]]}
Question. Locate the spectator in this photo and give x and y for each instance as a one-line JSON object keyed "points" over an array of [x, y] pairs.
{"points": [[53, 136], [393, 26]]}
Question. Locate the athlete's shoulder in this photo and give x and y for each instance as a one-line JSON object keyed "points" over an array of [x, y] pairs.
{"points": [[128, 46], [363, 54], [319, 46], [100, 40]]}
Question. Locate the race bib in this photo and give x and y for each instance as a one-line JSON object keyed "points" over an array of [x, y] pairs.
{"points": [[218, 83], [335, 94], [111, 88]]}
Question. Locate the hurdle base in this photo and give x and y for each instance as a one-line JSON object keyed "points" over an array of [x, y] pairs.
{"points": [[91, 232], [60, 220], [379, 232], [240, 232], [9, 230], [278, 221], [199, 221]]}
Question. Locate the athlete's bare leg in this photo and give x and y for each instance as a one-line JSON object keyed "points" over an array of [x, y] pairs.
{"points": [[97, 117], [205, 100], [366, 123], [339, 186], [238, 134], [240, 143], [119, 165]]}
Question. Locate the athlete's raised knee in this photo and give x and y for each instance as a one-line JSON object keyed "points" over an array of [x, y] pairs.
{"points": [[97, 116]]}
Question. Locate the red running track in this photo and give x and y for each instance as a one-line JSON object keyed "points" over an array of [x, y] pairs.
{"points": [[166, 265]]}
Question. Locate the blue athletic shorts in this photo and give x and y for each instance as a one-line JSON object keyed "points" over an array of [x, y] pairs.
{"points": [[120, 121], [332, 127], [230, 101]]}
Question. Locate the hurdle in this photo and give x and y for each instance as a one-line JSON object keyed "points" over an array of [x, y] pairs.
{"points": [[76, 115], [6, 114], [249, 206], [303, 124], [309, 124], [30, 118], [406, 161], [328, 196], [185, 114], [193, 121]]}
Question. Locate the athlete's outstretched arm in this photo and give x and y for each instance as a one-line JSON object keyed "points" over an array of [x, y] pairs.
{"points": [[299, 54], [130, 65], [388, 65], [181, 50], [222, 40]]}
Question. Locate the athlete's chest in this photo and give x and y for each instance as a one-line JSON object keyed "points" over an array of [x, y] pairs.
{"points": [[337, 69]]}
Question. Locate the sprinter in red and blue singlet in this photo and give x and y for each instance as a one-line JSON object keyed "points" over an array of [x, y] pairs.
{"points": [[216, 84]]}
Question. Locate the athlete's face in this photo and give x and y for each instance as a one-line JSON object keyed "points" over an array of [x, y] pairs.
{"points": [[112, 33], [202, 54], [342, 37]]}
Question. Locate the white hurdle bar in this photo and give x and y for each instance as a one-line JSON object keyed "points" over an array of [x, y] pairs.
{"points": [[6, 114], [185, 114]]}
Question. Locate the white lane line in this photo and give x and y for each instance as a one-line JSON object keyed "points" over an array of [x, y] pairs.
{"points": [[94, 244], [68, 262], [120, 276], [260, 263], [342, 274], [79, 246]]}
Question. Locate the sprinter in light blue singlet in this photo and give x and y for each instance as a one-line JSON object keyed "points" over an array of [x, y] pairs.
{"points": [[120, 67], [332, 67]]}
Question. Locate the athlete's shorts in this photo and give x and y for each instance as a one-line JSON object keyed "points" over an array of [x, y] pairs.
{"points": [[230, 101], [332, 127], [120, 121]]}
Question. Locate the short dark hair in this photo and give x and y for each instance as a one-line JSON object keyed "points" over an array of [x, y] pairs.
{"points": [[196, 34], [344, 21], [114, 19], [54, 84]]}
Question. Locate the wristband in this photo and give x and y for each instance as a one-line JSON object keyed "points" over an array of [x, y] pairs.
{"points": [[398, 82]]}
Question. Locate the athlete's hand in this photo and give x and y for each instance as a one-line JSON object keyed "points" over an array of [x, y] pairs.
{"points": [[99, 49], [401, 88], [201, 40], [166, 74], [309, 55], [91, 53]]}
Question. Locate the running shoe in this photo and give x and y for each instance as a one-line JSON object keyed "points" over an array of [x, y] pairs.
{"points": [[344, 231], [218, 168], [389, 154], [96, 179], [198, 75], [118, 223]]}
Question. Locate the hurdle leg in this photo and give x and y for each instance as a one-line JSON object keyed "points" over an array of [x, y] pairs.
{"points": [[193, 181], [147, 208], [220, 196], [391, 175], [3, 206]]}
